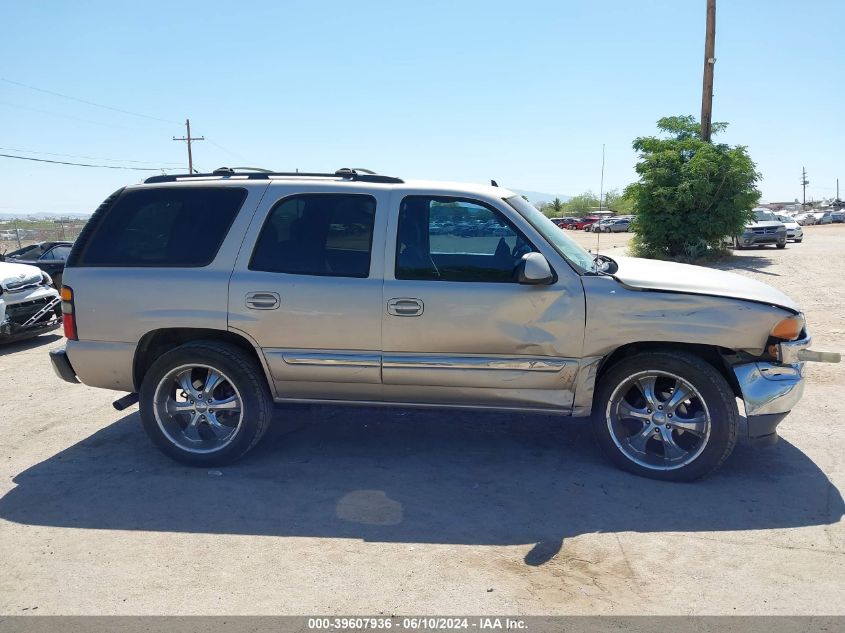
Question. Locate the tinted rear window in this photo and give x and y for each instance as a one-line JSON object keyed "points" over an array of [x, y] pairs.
{"points": [[165, 227], [317, 234]]}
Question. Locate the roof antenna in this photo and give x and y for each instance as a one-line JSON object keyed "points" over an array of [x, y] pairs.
{"points": [[601, 198], [493, 183]]}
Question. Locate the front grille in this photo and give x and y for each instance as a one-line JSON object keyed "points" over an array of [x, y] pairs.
{"points": [[21, 312], [768, 230]]}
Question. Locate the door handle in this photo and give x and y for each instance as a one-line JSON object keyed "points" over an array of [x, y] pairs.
{"points": [[262, 300], [405, 306]]}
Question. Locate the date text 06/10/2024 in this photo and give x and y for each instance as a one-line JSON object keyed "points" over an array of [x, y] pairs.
{"points": [[416, 623]]}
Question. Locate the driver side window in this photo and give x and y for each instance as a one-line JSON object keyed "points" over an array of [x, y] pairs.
{"points": [[454, 239]]}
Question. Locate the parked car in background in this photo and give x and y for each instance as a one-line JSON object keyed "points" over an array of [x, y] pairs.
{"points": [[591, 225], [794, 231], [805, 219], [211, 297], [837, 217], [598, 227], [764, 229], [48, 256], [29, 304], [613, 225], [564, 223], [826, 218], [583, 223]]}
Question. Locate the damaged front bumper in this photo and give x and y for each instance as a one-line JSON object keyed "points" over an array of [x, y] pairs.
{"points": [[771, 389], [30, 319]]}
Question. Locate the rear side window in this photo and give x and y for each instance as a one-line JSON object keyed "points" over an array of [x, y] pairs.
{"points": [[164, 227], [317, 234]]}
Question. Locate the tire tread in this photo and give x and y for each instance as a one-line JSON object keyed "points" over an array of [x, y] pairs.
{"points": [[250, 373], [648, 360]]}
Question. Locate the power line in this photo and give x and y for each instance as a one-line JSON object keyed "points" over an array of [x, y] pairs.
{"points": [[709, 61], [190, 139], [111, 160], [228, 151], [86, 102], [62, 162], [804, 183], [66, 116]]}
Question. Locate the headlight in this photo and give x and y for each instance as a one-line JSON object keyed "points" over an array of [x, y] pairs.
{"points": [[789, 328]]}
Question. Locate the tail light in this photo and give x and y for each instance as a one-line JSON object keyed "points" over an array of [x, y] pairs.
{"points": [[68, 316]]}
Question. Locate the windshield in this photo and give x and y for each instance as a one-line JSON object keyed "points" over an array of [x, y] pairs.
{"points": [[765, 216], [559, 240]]}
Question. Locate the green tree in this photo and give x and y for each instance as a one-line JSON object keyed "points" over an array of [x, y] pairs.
{"points": [[553, 209], [582, 204], [691, 194], [619, 203]]}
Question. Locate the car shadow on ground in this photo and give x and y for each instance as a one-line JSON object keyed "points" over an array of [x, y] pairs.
{"points": [[27, 344], [753, 263], [399, 475]]}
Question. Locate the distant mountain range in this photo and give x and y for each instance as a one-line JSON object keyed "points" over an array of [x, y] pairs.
{"points": [[23, 215], [539, 196]]}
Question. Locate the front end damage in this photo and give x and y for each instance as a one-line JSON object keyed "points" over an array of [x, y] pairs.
{"points": [[26, 316], [770, 389]]}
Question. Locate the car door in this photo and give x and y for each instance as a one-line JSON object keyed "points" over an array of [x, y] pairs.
{"points": [[457, 327], [307, 289], [53, 261]]}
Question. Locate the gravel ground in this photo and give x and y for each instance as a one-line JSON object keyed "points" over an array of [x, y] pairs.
{"points": [[353, 510]]}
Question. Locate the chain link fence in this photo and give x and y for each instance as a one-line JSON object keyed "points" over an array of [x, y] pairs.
{"points": [[15, 234]]}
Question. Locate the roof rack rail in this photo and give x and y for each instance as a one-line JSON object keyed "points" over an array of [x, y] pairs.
{"points": [[255, 173]]}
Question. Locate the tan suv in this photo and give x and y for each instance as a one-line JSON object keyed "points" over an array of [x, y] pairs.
{"points": [[209, 297]]}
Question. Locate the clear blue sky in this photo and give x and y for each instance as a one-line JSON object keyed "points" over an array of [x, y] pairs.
{"points": [[524, 92]]}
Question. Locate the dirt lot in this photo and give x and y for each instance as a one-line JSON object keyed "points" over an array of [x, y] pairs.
{"points": [[397, 511]]}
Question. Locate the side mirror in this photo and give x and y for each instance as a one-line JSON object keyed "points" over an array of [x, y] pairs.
{"points": [[534, 269]]}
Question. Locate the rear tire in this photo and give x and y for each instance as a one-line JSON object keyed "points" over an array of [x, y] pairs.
{"points": [[665, 415], [198, 427]]}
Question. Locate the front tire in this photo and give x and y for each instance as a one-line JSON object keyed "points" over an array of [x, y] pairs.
{"points": [[781, 245], [665, 415], [205, 403]]}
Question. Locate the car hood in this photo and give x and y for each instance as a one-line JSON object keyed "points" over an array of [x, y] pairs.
{"points": [[764, 224], [652, 274], [16, 276]]}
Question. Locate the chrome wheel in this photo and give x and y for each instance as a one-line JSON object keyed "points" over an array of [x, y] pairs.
{"points": [[198, 408], [658, 420]]}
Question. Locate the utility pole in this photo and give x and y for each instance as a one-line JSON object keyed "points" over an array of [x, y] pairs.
{"points": [[804, 183], [189, 140], [709, 62]]}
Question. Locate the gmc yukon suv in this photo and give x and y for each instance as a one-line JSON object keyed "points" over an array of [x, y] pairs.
{"points": [[210, 297]]}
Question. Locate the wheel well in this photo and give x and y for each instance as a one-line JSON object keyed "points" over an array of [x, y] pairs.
{"points": [[154, 344], [712, 354]]}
